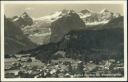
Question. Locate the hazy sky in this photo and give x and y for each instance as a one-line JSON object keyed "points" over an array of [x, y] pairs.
{"points": [[38, 10]]}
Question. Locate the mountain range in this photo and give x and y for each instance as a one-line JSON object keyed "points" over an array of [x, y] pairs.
{"points": [[89, 17], [39, 32], [82, 35], [71, 35]]}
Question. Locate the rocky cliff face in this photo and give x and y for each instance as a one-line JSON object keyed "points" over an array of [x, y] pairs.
{"points": [[69, 22], [15, 40]]}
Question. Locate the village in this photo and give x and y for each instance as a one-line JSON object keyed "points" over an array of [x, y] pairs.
{"points": [[25, 66]]}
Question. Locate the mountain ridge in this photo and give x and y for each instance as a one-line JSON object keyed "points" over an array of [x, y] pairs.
{"points": [[42, 25], [87, 44], [82, 14]]}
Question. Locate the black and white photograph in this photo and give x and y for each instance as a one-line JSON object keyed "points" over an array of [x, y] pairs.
{"points": [[49, 40]]}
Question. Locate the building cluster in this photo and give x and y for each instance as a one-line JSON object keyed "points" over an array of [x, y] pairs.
{"points": [[24, 67]]}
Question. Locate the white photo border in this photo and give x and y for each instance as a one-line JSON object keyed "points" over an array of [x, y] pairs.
{"points": [[64, 2]]}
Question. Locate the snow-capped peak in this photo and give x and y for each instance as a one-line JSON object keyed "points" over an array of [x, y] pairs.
{"points": [[55, 15], [50, 17], [85, 11], [95, 18], [24, 15], [86, 15], [104, 11], [16, 18]]}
